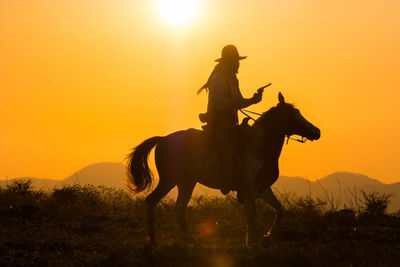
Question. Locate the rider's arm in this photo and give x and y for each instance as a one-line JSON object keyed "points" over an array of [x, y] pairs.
{"points": [[217, 90], [245, 102]]}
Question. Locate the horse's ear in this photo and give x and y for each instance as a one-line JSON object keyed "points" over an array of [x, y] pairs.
{"points": [[281, 98]]}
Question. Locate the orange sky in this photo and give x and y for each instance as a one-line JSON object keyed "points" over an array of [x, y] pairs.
{"points": [[85, 81]]}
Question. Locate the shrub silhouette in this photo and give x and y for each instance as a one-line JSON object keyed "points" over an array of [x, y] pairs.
{"points": [[20, 186], [376, 203]]}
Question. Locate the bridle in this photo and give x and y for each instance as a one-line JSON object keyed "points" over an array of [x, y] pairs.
{"points": [[302, 140]]}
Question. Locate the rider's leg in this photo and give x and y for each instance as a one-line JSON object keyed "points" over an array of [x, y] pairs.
{"points": [[226, 141]]}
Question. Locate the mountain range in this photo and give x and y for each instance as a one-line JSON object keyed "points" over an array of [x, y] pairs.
{"points": [[339, 189]]}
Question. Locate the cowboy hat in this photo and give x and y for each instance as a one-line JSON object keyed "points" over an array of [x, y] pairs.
{"points": [[229, 53]]}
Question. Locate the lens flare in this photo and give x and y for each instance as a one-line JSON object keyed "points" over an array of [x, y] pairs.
{"points": [[207, 228]]}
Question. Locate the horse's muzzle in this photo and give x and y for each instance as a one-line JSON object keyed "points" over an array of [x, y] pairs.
{"points": [[315, 134]]}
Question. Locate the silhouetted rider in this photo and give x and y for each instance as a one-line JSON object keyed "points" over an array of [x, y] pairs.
{"points": [[224, 101]]}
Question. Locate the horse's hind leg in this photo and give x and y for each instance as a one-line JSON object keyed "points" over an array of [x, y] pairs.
{"points": [[185, 191], [151, 201]]}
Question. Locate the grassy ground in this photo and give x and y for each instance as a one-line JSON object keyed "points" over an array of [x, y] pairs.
{"points": [[105, 227]]}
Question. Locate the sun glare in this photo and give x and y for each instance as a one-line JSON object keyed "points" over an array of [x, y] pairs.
{"points": [[178, 13]]}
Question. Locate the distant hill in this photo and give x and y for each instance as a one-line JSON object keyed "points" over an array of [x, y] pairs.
{"points": [[342, 187], [338, 181], [110, 174]]}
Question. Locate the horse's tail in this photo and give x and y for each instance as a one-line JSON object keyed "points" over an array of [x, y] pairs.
{"points": [[139, 173]]}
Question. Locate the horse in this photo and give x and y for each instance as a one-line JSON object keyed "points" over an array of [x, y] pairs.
{"points": [[181, 159]]}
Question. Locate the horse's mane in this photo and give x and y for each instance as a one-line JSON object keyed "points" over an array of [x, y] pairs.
{"points": [[266, 116]]}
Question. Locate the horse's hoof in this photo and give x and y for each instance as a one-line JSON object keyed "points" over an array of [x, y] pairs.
{"points": [[266, 240], [251, 242], [149, 248], [151, 243], [190, 244], [188, 241]]}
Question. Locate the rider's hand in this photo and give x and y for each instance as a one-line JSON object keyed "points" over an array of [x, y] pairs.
{"points": [[257, 97]]}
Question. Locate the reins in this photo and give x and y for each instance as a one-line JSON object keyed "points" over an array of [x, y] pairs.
{"points": [[247, 115], [302, 140]]}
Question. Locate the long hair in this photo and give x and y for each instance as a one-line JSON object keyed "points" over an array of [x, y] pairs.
{"points": [[226, 69]]}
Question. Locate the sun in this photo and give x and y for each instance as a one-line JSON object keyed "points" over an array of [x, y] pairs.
{"points": [[178, 13]]}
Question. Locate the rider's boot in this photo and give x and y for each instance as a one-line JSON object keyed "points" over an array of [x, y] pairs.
{"points": [[225, 188], [227, 177]]}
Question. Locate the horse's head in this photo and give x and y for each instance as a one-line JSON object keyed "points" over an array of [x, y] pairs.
{"points": [[293, 123]]}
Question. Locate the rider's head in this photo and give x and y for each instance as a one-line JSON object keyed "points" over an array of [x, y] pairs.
{"points": [[230, 57]]}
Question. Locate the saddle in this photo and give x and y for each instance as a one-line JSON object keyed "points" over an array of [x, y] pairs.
{"points": [[240, 131]]}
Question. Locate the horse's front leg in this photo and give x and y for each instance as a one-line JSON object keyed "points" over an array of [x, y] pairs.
{"points": [[249, 170], [252, 230], [268, 196]]}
